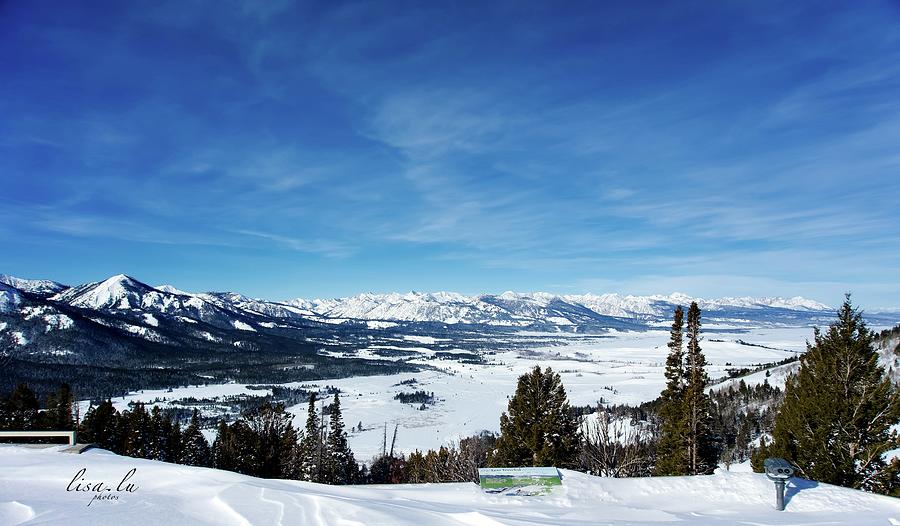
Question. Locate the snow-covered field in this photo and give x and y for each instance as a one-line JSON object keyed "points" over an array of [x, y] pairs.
{"points": [[33, 485], [625, 368]]}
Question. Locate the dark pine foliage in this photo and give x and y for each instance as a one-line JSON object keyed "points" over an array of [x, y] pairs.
{"points": [[341, 467], [102, 426], [234, 450], [311, 453], [539, 428], [701, 449], [686, 444], [835, 422], [740, 415], [417, 397], [671, 453], [22, 411], [195, 449]]}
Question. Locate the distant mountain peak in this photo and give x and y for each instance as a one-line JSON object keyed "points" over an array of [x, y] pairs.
{"points": [[41, 287], [680, 297], [116, 292]]}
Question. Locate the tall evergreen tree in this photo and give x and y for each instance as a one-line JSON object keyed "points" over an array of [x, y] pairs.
{"points": [[137, 432], [175, 438], [234, 449], [160, 435], [221, 451], [835, 421], [102, 426], [671, 453], [195, 449], [341, 465], [58, 415], [274, 438], [700, 447], [20, 410], [539, 428], [293, 468], [310, 451]]}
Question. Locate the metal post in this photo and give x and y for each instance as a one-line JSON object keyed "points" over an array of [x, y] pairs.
{"points": [[779, 495], [779, 471]]}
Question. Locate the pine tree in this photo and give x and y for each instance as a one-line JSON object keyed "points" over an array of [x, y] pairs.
{"points": [[234, 448], [701, 452], [221, 452], [195, 449], [20, 410], [342, 466], [742, 440], [137, 432], [415, 471], [160, 435], [293, 463], [539, 428], [835, 421], [175, 438], [671, 453], [274, 439], [102, 426], [311, 445], [58, 415]]}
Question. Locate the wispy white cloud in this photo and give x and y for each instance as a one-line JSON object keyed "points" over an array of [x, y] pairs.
{"points": [[64, 222], [559, 147], [324, 247]]}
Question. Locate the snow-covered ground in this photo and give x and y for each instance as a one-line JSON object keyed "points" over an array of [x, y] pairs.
{"points": [[33, 486], [625, 368]]}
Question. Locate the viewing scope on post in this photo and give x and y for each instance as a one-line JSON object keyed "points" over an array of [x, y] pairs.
{"points": [[779, 471]]}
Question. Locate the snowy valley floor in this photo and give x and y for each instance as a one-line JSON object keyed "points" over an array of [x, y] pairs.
{"points": [[33, 491], [619, 368]]}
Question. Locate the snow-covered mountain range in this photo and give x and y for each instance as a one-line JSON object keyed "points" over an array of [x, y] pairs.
{"points": [[525, 309], [123, 295], [121, 334], [44, 314]]}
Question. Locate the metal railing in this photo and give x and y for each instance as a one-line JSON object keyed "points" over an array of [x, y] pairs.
{"points": [[40, 434]]}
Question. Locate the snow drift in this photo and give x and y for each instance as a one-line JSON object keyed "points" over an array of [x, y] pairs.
{"points": [[33, 491]]}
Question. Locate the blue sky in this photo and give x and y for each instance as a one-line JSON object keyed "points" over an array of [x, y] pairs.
{"points": [[289, 149]]}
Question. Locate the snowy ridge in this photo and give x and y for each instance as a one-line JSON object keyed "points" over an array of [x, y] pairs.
{"points": [[123, 295], [421, 307], [117, 292], [232, 300], [10, 298], [888, 350], [42, 287], [521, 309], [125, 303]]}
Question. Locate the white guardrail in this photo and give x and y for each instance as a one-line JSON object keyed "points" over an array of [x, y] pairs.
{"points": [[40, 434]]}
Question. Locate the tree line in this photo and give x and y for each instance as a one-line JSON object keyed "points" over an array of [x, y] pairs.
{"points": [[21, 410]]}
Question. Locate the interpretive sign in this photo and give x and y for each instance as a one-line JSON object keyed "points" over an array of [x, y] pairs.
{"points": [[519, 481]]}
